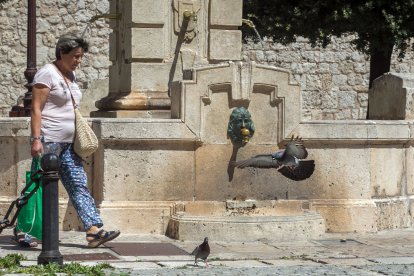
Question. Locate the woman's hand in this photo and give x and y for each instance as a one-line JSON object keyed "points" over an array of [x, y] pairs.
{"points": [[37, 148]]}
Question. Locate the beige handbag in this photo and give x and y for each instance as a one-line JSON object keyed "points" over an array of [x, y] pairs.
{"points": [[86, 142]]}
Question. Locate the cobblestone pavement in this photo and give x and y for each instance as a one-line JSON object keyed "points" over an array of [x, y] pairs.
{"points": [[384, 253]]}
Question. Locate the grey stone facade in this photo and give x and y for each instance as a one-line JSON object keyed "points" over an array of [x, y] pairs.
{"points": [[54, 18], [334, 80]]}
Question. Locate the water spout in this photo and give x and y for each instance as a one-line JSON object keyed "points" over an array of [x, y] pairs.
{"points": [[250, 24], [115, 16], [190, 14]]}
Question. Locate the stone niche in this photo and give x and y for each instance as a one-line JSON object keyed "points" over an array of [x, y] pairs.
{"points": [[205, 103]]}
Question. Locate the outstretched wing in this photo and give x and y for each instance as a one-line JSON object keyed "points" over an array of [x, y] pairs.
{"points": [[296, 148], [300, 172], [258, 161]]}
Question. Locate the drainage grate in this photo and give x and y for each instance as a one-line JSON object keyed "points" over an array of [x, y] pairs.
{"points": [[145, 249], [90, 257]]}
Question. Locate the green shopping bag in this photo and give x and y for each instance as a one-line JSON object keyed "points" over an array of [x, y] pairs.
{"points": [[29, 219]]}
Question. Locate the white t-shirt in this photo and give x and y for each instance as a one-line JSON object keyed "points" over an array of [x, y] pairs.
{"points": [[58, 117]]}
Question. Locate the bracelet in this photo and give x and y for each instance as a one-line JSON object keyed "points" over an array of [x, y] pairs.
{"points": [[32, 139]]}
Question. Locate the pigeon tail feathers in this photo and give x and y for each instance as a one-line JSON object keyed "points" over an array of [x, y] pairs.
{"points": [[303, 171]]}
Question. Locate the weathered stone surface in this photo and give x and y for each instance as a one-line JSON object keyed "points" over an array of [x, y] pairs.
{"points": [[147, 43], [227, 13], [246, 228], [393, 213], [344, 215], [388, 174], [391, 97], [149, 217], [225, 44], [137, 163], [294, 57], [144, 166], [146, 11]]}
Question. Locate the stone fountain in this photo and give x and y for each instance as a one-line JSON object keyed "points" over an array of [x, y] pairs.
{"points": [[175, 78], [163, 162]]}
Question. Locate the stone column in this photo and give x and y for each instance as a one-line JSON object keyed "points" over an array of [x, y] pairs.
{"points": [[156, 43]]}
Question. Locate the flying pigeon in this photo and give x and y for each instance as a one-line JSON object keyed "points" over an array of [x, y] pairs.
{"points": [[201, 252], [290, 161]]}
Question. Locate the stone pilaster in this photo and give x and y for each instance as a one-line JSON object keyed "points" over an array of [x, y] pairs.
{"points": [[157, 43]]}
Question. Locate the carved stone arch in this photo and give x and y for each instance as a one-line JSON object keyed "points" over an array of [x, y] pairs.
{"points": [[215, 88]]}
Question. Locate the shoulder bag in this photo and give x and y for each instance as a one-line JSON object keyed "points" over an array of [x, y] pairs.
{"points": [[86, 142]]}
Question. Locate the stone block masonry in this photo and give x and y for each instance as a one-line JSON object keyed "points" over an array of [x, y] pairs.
{"points": [[334, 80], [54, 18]]}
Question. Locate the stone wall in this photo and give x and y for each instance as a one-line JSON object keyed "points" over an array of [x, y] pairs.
{"points": [[54, 18], [334, 81]]}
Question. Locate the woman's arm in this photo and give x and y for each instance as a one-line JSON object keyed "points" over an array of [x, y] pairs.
{"points": [[39, 96]]}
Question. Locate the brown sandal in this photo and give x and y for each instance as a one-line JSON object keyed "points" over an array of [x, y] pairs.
{"points": [[102, 237]]}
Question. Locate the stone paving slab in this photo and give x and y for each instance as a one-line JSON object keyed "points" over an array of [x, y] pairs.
{"points": [[185, 258], [258, 271], [239, 263], [178, 264], [386, 253], [346, 261], [284, 263], [364, 251], [314, 252], [403, 250], [394, 260], [388, 269], [137, 265], [252, 251]]}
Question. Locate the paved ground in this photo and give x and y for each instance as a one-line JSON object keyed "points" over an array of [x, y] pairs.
{"points": [[384, 253]]}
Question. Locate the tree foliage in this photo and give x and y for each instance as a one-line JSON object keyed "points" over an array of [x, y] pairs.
{"points": [[380, 25]]}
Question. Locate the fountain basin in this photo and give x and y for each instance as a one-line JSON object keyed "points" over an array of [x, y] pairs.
{"points": [[245, 221]]}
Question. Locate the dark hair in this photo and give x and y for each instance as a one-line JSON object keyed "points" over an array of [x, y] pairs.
{"points": [[67, 43]]}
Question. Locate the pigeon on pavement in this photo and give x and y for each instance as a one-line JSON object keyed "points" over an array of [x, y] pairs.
{"points": [[201, 252]]}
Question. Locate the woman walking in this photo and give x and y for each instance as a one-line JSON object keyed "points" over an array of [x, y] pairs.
{"points": [[53, 129]]}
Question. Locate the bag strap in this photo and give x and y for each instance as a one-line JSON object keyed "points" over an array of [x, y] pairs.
{"points": [[67, 84], [36, 163]]}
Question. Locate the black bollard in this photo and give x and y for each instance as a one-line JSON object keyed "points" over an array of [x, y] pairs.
{"points": [[50, 232]]}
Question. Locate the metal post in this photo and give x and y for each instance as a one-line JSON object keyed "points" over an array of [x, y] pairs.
{"points": [[50, 232], [19, 111]]}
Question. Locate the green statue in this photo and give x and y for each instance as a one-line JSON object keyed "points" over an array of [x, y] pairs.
{"points": [[240, 128]]}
